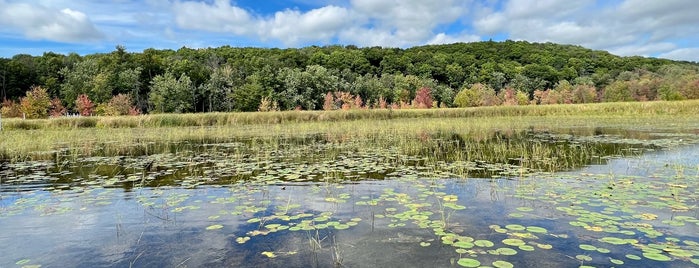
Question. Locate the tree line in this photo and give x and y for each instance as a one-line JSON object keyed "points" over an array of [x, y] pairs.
{"points": [[333, 77]]}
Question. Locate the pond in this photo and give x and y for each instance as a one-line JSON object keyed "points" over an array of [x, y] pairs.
{"points": [[629, 201]]}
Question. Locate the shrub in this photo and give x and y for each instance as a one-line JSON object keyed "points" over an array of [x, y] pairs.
{"points": [[10, 109], [84, 105], [57, 109], [36, 103], [423, 98]]}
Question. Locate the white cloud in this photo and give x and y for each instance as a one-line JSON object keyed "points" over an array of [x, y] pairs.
{"points": [[293, 27], [687, 54], [219, 17], [362, 22], [629, 27], [443, 38], [41, 22], [644, 49]]}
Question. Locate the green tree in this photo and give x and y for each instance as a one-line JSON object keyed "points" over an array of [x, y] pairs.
{"points": [[171, 95]]}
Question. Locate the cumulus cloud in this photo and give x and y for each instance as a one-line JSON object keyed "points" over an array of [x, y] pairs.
{"points": [[293, 26], [443, 38], [220, 16], [687, 54], [362, 22], [629, 27], [41, 22]]}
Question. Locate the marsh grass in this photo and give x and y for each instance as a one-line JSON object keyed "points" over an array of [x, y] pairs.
{"points": [[286, 117], [491, 134]]}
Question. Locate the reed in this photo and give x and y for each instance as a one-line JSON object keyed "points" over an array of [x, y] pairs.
{"points": [[676, 108]]}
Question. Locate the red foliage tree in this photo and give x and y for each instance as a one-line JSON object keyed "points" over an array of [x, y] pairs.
{"points": [[57, 109], [423, 98], [84, 105], [329, 102]]}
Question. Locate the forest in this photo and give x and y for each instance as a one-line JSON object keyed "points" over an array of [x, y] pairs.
{"points": [[226, 79]]}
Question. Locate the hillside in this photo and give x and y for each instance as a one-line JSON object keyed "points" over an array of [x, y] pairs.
{"points": [[249, 79]]}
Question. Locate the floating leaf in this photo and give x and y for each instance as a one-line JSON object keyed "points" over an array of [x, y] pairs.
{"points": [[526, 248], [269, 254], [583, 257], [425, 244], [613, 240], [214, 227], [483, 243], [587, 247], [513, 242], [502, 264], [615, 261], [536, 229], [506, 251], [515, 227], [468, 262], [633, 257], [544, 246]]}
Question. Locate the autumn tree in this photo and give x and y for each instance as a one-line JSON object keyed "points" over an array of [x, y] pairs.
{"points": [[36, 103], [57, 109], [84, 106], [423, 98]]}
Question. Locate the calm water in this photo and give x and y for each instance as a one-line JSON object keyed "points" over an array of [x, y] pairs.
{"points": [[358, 210]]}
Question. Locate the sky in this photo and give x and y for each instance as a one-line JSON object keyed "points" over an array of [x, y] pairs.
{"points": [[652, 28]]}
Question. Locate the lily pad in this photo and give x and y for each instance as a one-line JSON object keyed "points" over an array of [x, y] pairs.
{"points": [[483, 243], [513, 242], [468, 262], [214, 227], [502, 264]]}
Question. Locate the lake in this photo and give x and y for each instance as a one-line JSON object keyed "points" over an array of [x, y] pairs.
{"points": [[629, 199]]}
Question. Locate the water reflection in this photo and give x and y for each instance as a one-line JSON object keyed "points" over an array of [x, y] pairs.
{"points": [[339, 213]]}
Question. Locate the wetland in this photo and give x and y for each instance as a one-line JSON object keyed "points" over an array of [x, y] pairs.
{"points": [[503, 191]]}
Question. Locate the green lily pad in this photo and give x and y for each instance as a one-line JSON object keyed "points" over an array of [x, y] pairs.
{"points": [[513, 242], [536, 229], [506, 251], [633, 257], [583, 257], [615, 261], [214, 227], [515, 227], [587, 247], [483, 243], [502, 264], [468, 262], [613, 240]]}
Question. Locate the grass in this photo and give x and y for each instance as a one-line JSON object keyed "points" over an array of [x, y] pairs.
{"points": [[261, 118], [493, 134]]}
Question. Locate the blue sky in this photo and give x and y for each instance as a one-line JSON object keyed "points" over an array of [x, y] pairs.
{"points": [[666, 29]]}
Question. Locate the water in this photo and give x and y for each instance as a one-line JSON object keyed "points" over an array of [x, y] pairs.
{"points": [[211, 211]]}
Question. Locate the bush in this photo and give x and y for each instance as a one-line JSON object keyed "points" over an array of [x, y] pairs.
{"points": [[84, 105], [36, 103]]}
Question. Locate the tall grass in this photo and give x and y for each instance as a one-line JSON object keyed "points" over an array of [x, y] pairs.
{"points": [[439, 134], [229, 119]]}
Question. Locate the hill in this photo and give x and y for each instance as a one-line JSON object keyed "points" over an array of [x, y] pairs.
{"points": [[332, 77]]}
